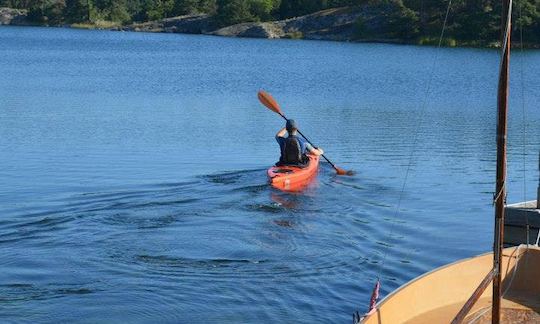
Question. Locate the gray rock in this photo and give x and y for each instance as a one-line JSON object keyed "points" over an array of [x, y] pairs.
{"points": [[10, 16], [330, 24], [188, 24], [255, 30]]}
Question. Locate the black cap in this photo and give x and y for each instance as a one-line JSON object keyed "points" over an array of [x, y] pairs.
{"points": [[291, 125]]}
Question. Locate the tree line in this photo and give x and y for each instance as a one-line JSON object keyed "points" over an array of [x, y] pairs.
{"points": [[470, 21], [226, 12]]}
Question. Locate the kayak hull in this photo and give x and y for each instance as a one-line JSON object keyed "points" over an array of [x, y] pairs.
{"points": [[292, 178]]}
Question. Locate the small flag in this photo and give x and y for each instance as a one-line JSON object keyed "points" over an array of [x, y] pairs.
{"points": [[374, 297]]}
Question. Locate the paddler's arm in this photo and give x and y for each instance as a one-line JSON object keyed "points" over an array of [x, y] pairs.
{"points": [[314, 150], [281, 132]]}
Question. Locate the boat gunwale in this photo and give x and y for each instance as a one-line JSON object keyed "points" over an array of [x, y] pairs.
{"points": [[514, 254]]}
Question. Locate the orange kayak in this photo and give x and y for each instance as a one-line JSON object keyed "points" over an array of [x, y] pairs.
{"points": [[292, 178]]}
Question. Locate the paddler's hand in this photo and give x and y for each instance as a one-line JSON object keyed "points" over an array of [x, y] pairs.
{"points": [[317, 151]]}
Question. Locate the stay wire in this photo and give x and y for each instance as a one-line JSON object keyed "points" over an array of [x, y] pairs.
{"points": [[524, 114], [414, 141]]}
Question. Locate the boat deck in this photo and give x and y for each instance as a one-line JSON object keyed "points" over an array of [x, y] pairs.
{"points": [[439, 295], [511, 313]]}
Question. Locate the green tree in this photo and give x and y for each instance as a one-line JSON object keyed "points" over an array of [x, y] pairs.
{"points": [[158, 9], [263, 9], [232, 12], [54, 12], [208, 6], [21, 4], [430, 14], [393, 21], [528, 18], [77, 11], [477, 21], [185, 7], [295, 8], [45, 12], [118, 12]]}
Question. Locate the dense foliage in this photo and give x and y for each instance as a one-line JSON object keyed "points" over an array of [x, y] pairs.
{"points": [[470, 21]]}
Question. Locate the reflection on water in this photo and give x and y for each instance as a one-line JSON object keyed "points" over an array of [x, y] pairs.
{"points": [[287, 200], [134, 174]]}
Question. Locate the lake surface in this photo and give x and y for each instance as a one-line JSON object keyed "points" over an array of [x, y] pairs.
{"points": [[133, 184]]}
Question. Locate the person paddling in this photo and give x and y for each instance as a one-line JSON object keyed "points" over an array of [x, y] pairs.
{"points": [[294, 148]]}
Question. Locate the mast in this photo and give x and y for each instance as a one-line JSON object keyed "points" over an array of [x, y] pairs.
{"points": [[500, 191]]}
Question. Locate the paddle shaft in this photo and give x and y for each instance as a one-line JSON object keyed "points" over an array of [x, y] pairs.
{"points": [[299, 132]]}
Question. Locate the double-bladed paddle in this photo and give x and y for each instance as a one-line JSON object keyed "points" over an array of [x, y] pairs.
{"points": [[267, 100]]}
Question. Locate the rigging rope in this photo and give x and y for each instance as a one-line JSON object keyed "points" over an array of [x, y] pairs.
{"points": [[375, 293], [524, 113], [496, 196]]}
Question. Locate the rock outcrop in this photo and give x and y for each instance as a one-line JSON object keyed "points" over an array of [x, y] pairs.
{"points": [[330, 24], [9, 16], [189, 24], [256, 30]]}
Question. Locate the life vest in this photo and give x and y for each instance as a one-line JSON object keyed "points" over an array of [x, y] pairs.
{"points": [[291, 152]]}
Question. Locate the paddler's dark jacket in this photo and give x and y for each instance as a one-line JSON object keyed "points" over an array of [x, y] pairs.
{"points": [[293, 150]]}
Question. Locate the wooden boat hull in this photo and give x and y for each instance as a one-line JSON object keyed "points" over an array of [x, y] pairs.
{"points": [[437, 296]]}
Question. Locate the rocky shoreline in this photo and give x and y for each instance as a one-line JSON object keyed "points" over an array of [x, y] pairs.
{"points": [[331, 24], [337, 24]]}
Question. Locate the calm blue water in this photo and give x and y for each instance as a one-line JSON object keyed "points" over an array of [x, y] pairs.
{"points": [[133, 182]]}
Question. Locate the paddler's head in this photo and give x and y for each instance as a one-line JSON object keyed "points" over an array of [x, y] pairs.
{"points": [[291, 126]]}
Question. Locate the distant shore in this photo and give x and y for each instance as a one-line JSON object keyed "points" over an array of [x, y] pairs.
{"points": [[339, 24], [331, 24]]}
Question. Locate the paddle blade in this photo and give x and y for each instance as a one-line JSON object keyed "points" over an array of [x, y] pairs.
{"points": [[266, 99], [340, 171]]}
